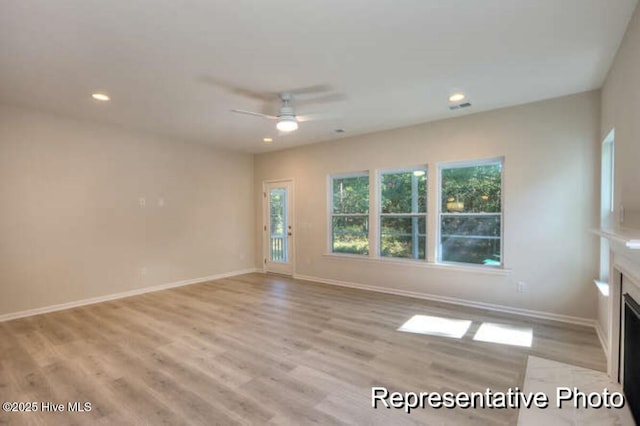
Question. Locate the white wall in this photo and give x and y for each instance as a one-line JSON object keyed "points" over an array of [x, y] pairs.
{"points": [[71, 226], [621, 111], [550, 191]]}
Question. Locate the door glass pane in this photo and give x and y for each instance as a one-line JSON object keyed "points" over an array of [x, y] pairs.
{"points": [[278, 225]]}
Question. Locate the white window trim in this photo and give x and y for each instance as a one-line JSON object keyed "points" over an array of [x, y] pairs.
{"points": [[374, 226], [404, 262], [462, 164]]}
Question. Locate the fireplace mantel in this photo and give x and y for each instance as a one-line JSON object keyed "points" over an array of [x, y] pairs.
{"points": [[630, 238], [624, 244]]}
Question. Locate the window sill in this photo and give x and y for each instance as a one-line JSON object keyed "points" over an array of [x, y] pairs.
{"points": [[489, 270]]}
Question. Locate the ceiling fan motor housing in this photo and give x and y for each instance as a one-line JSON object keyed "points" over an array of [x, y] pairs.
{"points": [[286, 112]]}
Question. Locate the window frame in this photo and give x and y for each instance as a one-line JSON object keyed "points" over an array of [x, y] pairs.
{"points": [[331, 214], [439, 213], [379, 214]]}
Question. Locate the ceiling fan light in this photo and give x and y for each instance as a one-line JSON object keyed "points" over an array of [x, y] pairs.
{"points": [[287, 124]]}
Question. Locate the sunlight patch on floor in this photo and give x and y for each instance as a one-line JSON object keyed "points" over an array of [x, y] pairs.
{"points": [[504, 334], [436, 326]]}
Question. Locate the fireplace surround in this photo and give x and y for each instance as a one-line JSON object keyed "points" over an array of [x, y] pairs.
{"points": [[622, 342]]}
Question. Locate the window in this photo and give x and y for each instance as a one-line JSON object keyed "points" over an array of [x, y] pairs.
{"points": [[607, 174], [607, 180], [403, 213], [393, 222], [350, 214], [471, 213]]}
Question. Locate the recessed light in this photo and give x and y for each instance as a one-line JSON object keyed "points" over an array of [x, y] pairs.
{"points": [[268, 140], [100, 97], [456, 97]]}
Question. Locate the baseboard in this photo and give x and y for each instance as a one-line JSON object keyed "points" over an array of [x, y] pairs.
{"points": [[134, 292], [602, 338], [456, 301]]}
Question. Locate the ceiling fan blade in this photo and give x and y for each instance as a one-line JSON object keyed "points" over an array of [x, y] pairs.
{"points": [[238, 90], [318, 88], [316, 116], [332, 97], [255, 114]]}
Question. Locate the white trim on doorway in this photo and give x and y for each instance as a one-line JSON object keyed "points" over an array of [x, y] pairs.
{"points": [[290, 268]]}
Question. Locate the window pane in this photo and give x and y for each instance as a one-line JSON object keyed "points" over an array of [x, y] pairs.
{"points": [[404, 192], [481, 225], [350, 234], [351, 194], [471, 239], [403, 236], [474, 189]]}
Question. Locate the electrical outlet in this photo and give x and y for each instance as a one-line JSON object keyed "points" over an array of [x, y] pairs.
{"points": [[142, 201], [522, 287], [160, 202]]}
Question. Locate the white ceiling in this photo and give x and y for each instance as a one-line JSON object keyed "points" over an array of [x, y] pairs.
{"points": [[396, 61]]}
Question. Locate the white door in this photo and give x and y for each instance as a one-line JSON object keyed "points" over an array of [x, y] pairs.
{"points": [[278, 227]]}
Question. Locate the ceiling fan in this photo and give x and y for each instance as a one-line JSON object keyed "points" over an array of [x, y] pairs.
{"points": [[287, 119]]}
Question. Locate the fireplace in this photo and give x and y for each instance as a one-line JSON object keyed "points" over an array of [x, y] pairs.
{"points": [[619, 314], [631, 345]]}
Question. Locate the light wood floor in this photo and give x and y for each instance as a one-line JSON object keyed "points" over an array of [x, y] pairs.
{"points": [[260, 349]]}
